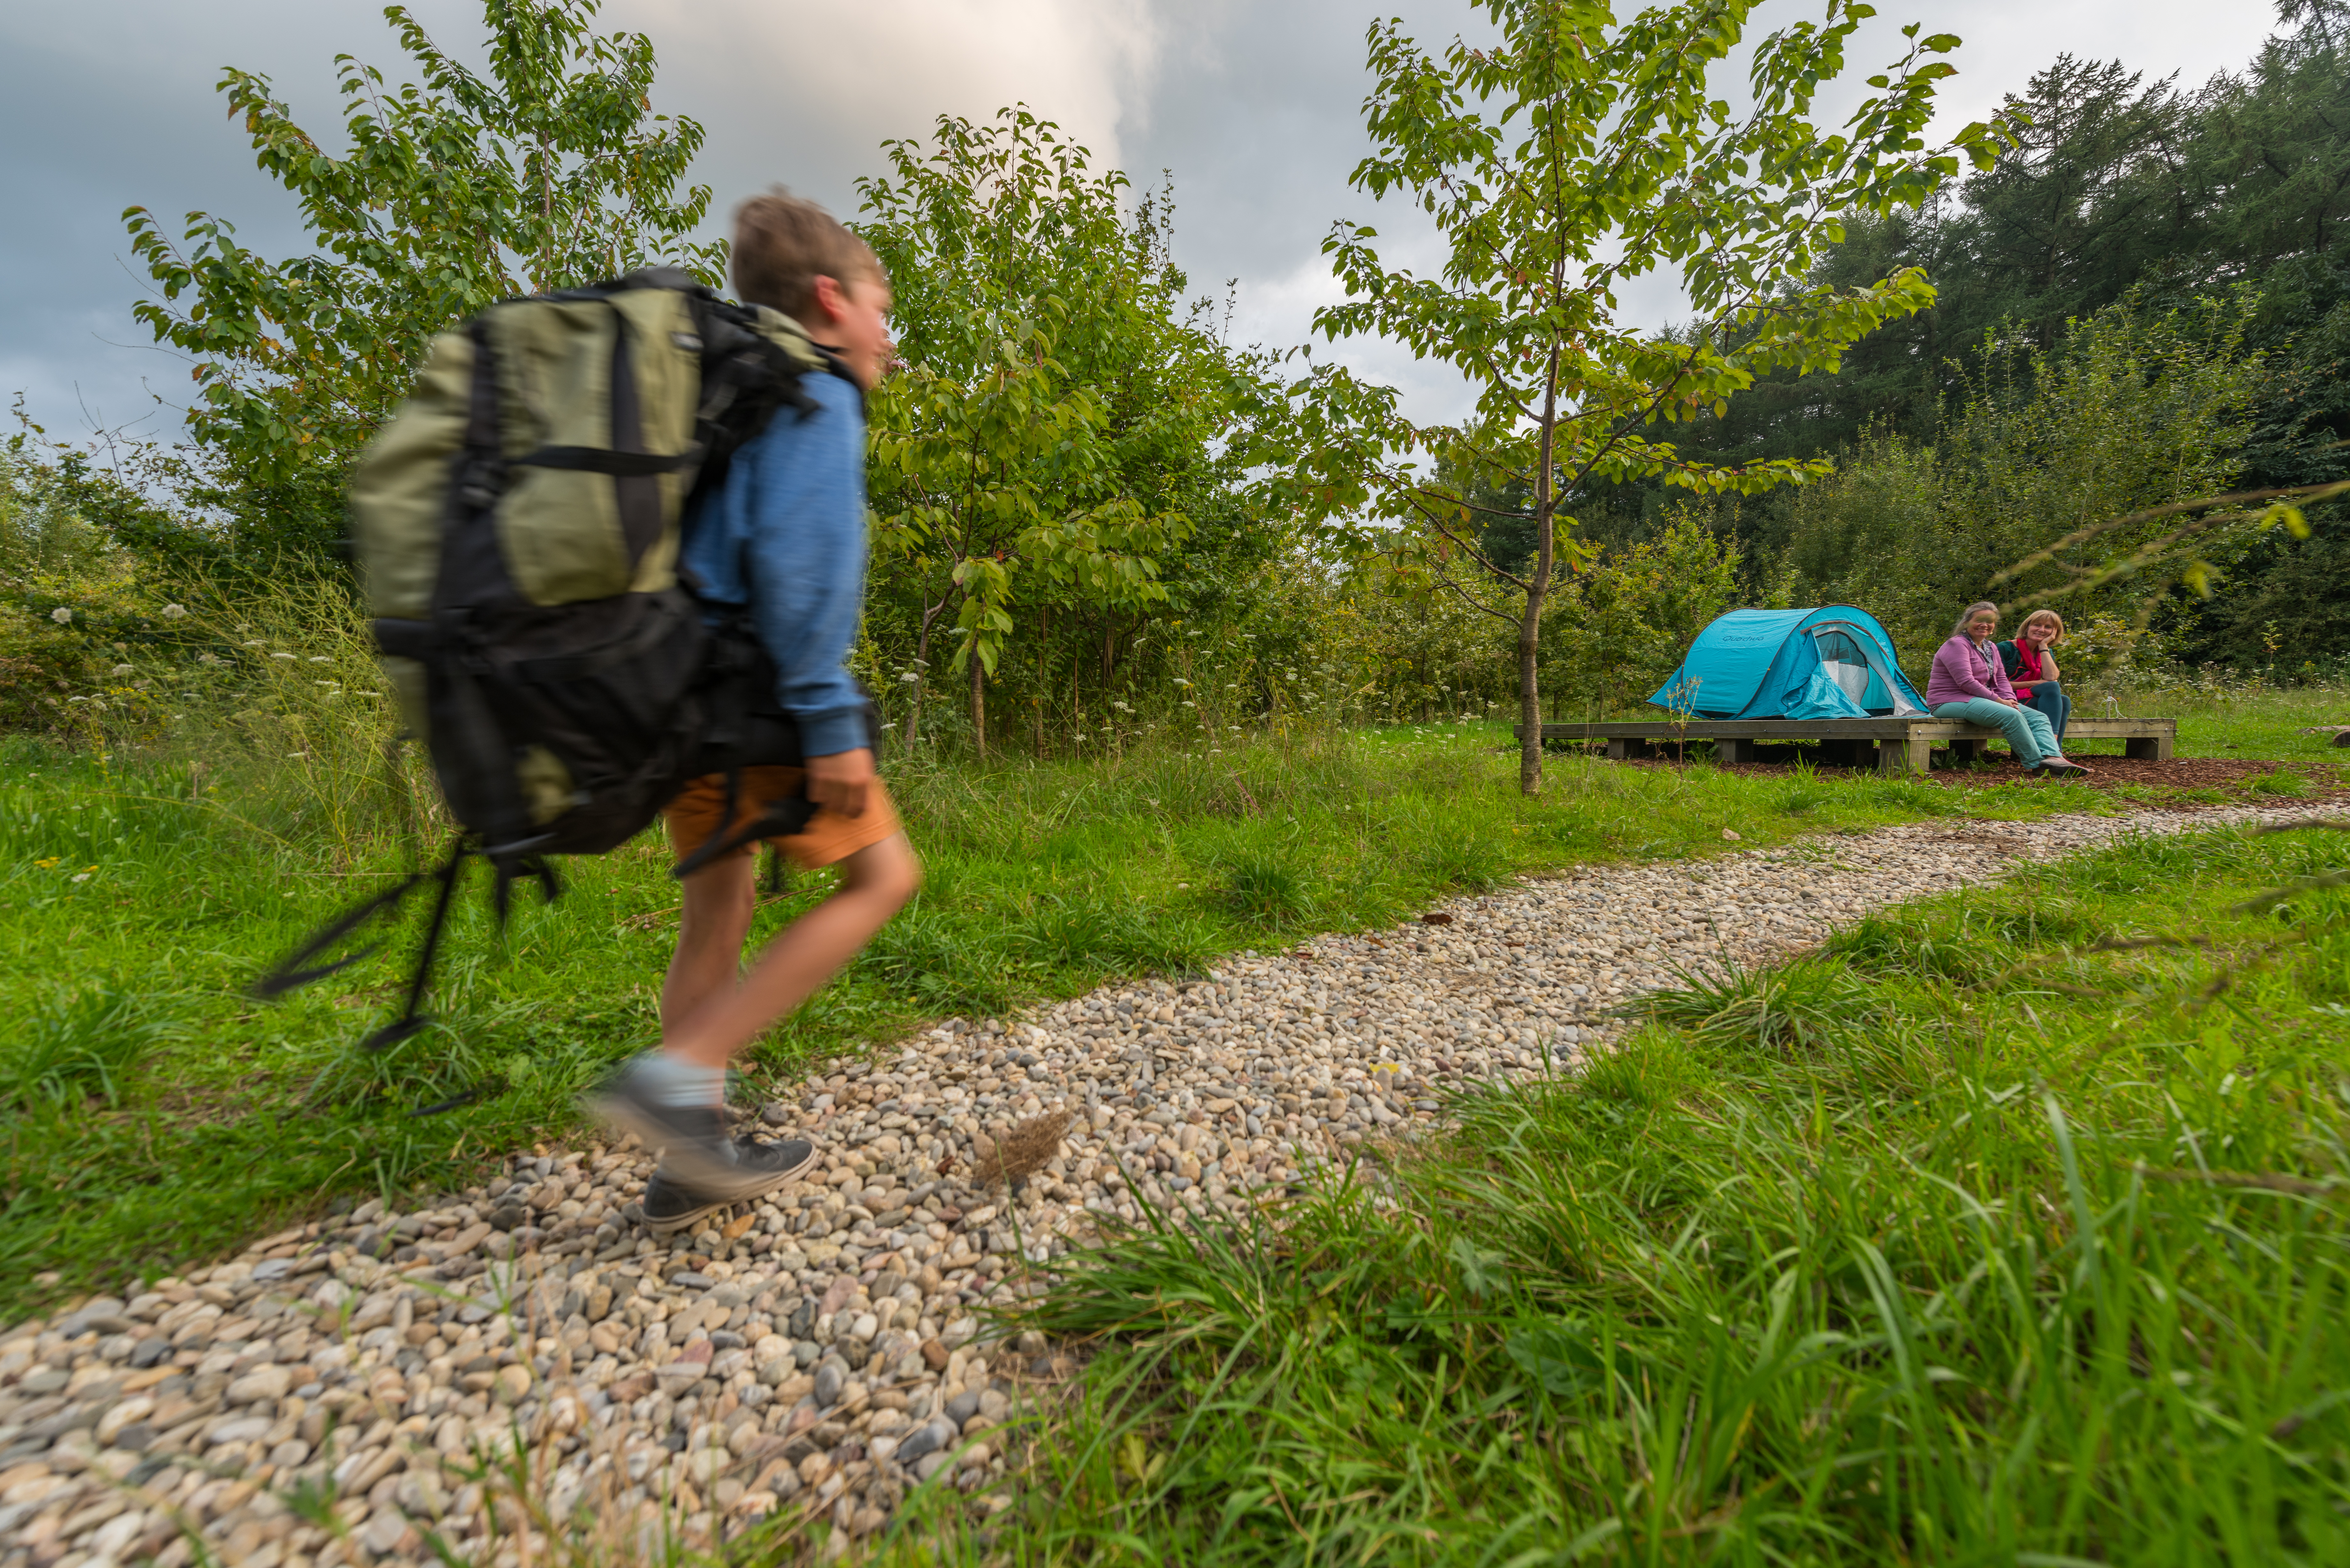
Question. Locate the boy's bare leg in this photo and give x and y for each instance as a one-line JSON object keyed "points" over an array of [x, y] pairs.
{"points": [[674, 1098], [875, 882], [714, 919]]}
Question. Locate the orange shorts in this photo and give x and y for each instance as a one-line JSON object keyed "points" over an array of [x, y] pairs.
{"points": [[692, 818]]}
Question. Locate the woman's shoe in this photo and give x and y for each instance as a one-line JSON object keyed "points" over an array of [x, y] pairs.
{"points": [[2061, 769]]}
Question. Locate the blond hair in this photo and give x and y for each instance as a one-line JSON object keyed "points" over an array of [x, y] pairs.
{"points": [[2036, 617], [783, 244]]}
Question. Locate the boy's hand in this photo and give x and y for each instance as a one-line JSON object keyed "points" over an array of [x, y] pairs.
{"points": [[842, 782]]}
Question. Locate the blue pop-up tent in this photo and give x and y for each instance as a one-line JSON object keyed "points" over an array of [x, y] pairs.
{"points": [[1833, 662]]}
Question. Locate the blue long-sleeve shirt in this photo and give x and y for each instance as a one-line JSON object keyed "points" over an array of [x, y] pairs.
{"points": [[785, 536]]}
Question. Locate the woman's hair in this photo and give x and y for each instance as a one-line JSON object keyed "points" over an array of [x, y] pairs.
{"points": [[2036, 617], [1969, 613]]}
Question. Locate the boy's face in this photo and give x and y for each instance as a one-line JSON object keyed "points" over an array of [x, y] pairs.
{"points": [[855, 326]]}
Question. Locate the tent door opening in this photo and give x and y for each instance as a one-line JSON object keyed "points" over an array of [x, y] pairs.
{"points": [[1851, 658]]}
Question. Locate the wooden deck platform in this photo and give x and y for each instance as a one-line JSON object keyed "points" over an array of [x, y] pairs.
{"points": [[1891, 745]]}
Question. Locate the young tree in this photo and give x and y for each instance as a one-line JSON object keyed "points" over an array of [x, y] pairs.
{"points": [[1578, 153], [1055, 426], [550, 172]]}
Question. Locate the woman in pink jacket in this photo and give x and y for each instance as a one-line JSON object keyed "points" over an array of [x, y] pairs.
{"points": [[1969, 681]]}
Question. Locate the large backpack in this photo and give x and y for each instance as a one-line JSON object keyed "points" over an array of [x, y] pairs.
{"points": [[516, 530]]}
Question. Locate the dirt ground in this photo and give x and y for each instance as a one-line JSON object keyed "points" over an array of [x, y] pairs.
{"points": [[2231, 775]]}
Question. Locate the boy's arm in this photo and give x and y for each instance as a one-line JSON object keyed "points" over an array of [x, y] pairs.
{"points": [[806, 566]]}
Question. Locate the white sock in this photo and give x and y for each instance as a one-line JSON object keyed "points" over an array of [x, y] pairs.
{"points": [[672, 1081]]}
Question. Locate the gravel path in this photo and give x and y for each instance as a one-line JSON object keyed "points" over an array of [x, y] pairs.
{"points": [[821, 1352]]}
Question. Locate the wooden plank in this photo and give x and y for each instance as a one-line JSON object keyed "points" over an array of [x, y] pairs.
{"points": [[2119, 729], [2164, 730], [1716, 729]]}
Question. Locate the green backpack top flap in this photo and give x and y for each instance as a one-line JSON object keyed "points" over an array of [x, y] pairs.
{"points": [[583, 378], [602, 406]]}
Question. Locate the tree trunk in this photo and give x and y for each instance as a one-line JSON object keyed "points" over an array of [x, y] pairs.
{"points": [[1530, 742], [978, 701], [921, 673]]}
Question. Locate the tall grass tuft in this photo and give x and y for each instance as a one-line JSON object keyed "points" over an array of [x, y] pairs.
{"points": [[1803, 1007], [77, 1043]]}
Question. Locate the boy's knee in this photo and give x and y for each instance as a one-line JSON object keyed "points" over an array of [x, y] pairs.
{"points": [[889, 871], [722, 886]]}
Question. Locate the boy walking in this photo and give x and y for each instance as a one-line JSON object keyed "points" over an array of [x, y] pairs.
{"points": [[784, 535]]}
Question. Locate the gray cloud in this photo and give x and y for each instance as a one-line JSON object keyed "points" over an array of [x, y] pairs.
{"points": [[1254, 108]]}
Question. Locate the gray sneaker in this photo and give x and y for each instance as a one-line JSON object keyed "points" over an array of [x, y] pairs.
{"points": [[670, 1205], [692, 1140]]}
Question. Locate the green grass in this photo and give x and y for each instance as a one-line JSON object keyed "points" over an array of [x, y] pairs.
{"points": [[2008, 1229], [2247, 721]]}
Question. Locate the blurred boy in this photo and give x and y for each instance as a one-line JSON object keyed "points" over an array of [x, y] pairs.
{"points": [[784, 536]]}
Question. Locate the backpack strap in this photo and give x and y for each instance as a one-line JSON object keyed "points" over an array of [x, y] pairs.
{"points": [[597, 459], [288, 973], [782, 819], [463, 724], [411, 1021]]}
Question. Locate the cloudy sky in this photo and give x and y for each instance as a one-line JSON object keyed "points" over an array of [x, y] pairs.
{"points": [[1253, 108]]}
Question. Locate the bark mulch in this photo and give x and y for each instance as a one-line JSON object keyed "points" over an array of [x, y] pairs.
{"points": [[1998, 769]]}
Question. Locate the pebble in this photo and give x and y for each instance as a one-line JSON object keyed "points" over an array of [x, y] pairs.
{"points": [[821, 1351]]}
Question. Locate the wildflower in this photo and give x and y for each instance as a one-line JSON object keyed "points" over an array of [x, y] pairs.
{"points": [[1190, 704], [910, 678], [174, 612], [257, 642], [286, 656], [330, 685], [122, 670], [1180, 682], [62, 615], [82, 876], [49, 864], [890, 725], [320, 659], [207, 658], [1121, 707]]}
